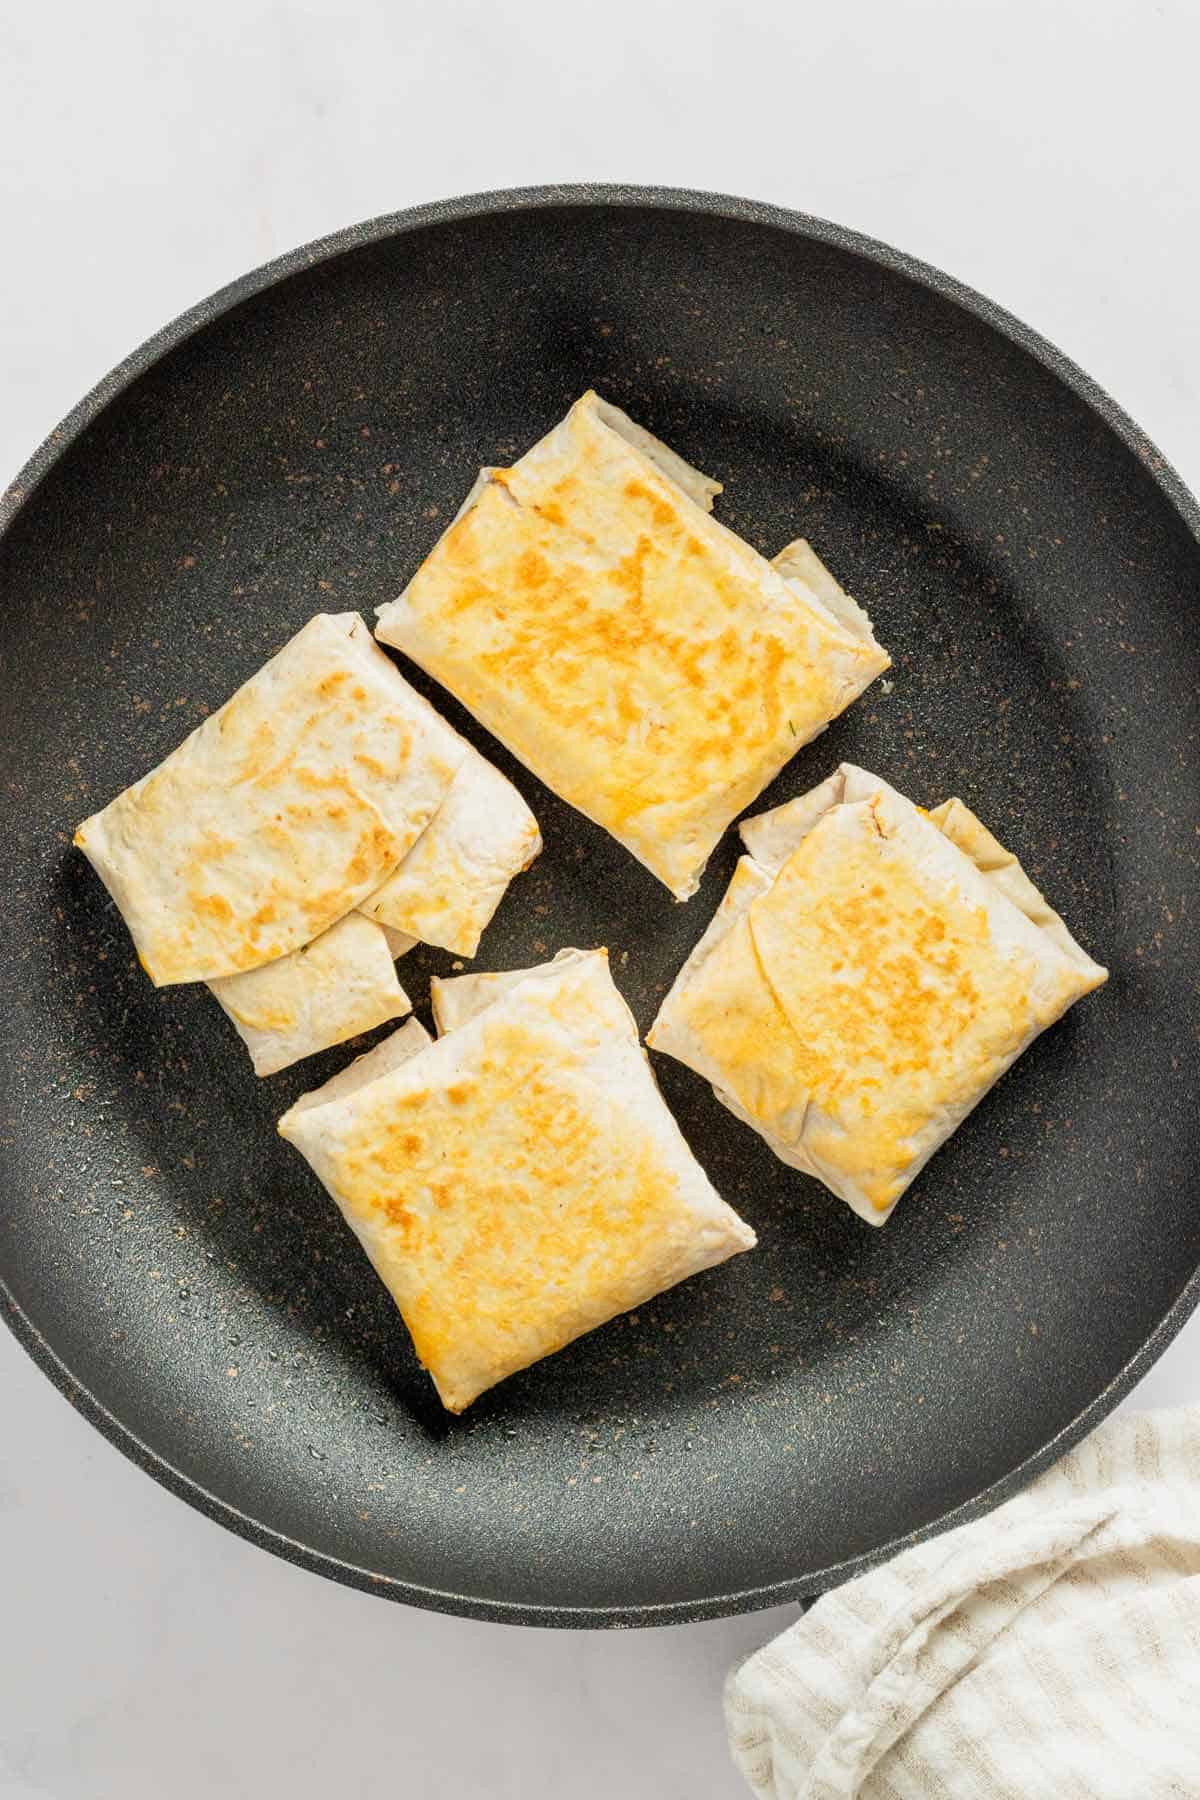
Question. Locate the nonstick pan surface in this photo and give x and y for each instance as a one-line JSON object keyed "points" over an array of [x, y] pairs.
{"points": [[295, 445]]}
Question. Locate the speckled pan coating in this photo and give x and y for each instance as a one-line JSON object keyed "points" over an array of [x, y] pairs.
{"points": [[296, 443]]}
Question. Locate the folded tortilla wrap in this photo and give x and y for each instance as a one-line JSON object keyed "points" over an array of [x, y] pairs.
{"points": [[341, 984], [520, 1181], [400, 1046], [449, 885], [445, 892], [871, 972], [647, 664], [280, 813]]}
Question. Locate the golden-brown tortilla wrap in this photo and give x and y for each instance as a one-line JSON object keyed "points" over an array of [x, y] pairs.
{"points": [[872, 971], [647, 664], [520, 1181]]}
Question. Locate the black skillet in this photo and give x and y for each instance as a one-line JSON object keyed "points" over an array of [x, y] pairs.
{"points": [[295, 444]]}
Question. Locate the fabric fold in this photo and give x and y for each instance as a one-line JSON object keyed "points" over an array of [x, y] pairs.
{"points": [[1051, 1648]]}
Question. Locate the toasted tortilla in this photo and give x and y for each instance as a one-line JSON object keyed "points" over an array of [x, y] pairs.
{"points": [[871, 973], [448, 887], [444, 891], [280, 813], [520, 1181], [804, 571], [398, 1047], [341, 984], [398, 942], [642, 660], [456, 999]]}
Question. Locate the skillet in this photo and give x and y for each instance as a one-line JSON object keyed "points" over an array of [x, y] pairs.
{"points": [[295, 444]]}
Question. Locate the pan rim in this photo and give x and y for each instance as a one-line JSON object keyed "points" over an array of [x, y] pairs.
{"points": [[450, 211]]}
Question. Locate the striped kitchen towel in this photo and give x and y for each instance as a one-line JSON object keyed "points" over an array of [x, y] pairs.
{"points": [[1049, 1649]]}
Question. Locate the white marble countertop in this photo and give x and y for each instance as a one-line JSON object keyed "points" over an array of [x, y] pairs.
{"points": [[1043, 151]]}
